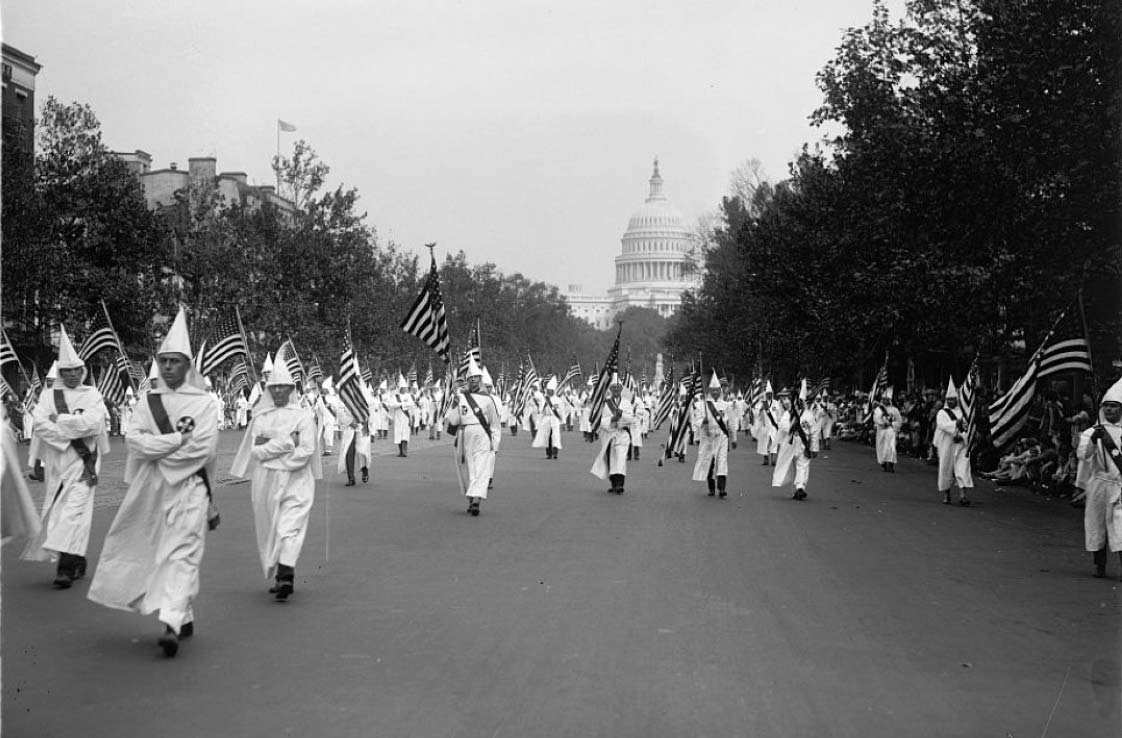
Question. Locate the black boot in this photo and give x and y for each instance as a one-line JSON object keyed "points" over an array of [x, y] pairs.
{"points": [[712, 483], [64, 575], [630, 449], [365, 475], [169, 642], [765, 461], [1100, 563], [636, 453], [79, 566], [350, 481], [473, 507], [286, 579], [405, 448], [891, 468], [721, 479]]}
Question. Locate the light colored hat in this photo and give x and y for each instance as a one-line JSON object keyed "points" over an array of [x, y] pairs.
{"points": [[473, 369], [401, 383], [328, 384], [552, 383], [52, 373], [268, 367], [67, 357], [487, 380], [887, 394], [769, 389], [177, 341], [803, 390], [615, 381], [154, 369], [951, 391], [280, 376], [209, 384], [714, 383], [383, 386]]}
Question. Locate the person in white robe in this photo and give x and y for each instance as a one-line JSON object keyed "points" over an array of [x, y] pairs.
{"points": [[710, 422], [950, 444], [829, 418], [792, 462], [616, 421], [34, 458], [474, 421], [18, 516], [325, 415], [488, 388], [151, 557], [586, 414], [71, 423], [1100, 459], [400, 403], [767, 425], [639, 418], [735, 418], [550, 411], [887, 420], [354, 442], [278, 456], [241, 410]]}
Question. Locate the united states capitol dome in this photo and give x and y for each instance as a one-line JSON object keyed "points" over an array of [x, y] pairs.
{"points": [[656, 217]]}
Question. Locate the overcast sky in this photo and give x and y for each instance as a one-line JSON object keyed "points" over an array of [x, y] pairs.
{"points": [[521, 132]]}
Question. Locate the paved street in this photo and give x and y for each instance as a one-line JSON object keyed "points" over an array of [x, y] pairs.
{"points": [[868, 610]]}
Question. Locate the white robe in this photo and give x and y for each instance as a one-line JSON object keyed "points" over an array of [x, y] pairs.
{"points": [[401, 404], [327, 422], [954, 463], [67, 509], [549, 424], [357, 434], [766, 433], [1102, 511], [475, 447], [791, 459], [18, 516], [714, 444], [615, 439], [282, 473], [154, 547], [887, 421], [241, 411]]}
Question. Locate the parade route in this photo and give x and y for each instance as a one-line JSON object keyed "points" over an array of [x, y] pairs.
{"points": [[869, 609]]}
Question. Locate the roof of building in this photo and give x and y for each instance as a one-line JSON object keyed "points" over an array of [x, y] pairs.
{"points": [[656, 215]]}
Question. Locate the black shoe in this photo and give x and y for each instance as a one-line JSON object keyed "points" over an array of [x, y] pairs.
{"points": [[365, 475], [946, 498], [63, 580], [711, 494], [35, 477], [284, 590], [187, 630], [765, 462], [963, 502], [350, 482], [800, 494], [1100, 573], [79, 567], [473, 508], [490, 484], [169, 642], [722, 494]]}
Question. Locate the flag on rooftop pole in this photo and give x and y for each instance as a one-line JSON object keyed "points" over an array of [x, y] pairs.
{"points": [[286, 127], [600, 393], [426, 319]]}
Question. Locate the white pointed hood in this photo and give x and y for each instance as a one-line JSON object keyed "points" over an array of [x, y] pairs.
{"points": [[52, 373], [615, 381], [383, 386], [552, 383], [473, 369], [488, 381], [267, 366], [280, 376], [714, 383], [887, 394], [154, 369], [67, 357], [803, 390], [769, 389], [1114, 394], [401, 383], [951, 391], [328, 384], [177, 341]]}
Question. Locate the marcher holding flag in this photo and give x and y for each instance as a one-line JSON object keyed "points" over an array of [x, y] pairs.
{"points": [[710, 422]]}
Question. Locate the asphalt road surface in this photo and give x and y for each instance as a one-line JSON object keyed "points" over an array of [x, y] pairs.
{"points": [[869, 609]]}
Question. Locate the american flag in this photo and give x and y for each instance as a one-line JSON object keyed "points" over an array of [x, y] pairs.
{"points": [[880, 382], [101, 337], [967, 396], [7, 352], [350, 387], [1010, 411], [676, 442], [426, 319], [226, 341], [472, 352], [817, 388], [200, 358], [411, 377], [429, 378], [665, 400], [111, 386], [573, 373], [366, 374], [315, 371], [600, 392], [756, 393], [526, 391], [287, 354]]}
